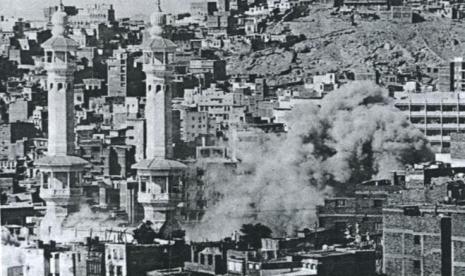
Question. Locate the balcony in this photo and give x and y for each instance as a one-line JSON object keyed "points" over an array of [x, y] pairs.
{"points": [[158, 198], [200, 268], [60, 65], [59, 193]]}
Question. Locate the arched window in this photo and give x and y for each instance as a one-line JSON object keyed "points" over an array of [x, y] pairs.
{"points": [[60, 86], [51, 86], [158, 88], [150, 87]]}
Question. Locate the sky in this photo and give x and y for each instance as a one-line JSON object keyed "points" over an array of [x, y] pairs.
{"points": [[124, 8]]}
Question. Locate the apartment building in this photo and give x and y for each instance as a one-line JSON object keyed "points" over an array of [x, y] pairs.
{"points": [[117, 74], [436, 114]]}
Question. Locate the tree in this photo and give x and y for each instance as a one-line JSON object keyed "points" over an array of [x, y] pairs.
{"points": [[145, 234], [253, 234]]}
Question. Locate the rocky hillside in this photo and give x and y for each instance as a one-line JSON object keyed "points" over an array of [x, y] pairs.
{"points": [[332, 44]]}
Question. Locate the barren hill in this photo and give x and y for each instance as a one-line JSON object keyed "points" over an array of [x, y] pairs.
{"points": [[332, 44]]}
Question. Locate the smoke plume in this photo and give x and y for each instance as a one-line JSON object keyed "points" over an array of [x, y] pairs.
{"points": [[357, 134], [11, 254], [80, 224]]}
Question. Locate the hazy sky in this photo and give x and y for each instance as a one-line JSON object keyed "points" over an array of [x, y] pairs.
{"points": [[33, 8]]}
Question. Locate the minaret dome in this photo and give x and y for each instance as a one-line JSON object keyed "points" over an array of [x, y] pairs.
{"points": [[59, 21], [157, 21]]}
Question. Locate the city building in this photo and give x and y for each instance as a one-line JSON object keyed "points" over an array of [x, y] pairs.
{"points": [[117, 70], [92, 15], [436, 114], [137, 259], [450, 76], [360, 214], [426, 238], [336, 262]]}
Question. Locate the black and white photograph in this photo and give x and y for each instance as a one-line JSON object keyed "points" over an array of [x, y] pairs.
{"points": [[232, 137]]}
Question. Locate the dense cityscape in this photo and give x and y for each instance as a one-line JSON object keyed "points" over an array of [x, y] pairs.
{"points": [[243, 137]]}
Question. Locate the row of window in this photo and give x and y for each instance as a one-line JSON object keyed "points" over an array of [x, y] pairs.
{"points": [[61, 85]]}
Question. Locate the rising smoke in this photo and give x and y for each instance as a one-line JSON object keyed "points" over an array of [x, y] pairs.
{"points": [[77, 226], [356, 135], [11, 254]]}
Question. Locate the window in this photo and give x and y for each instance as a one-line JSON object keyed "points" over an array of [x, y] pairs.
{"points": [[377, 203], [416, 239], [340, 203], [46, 177], [49, 57], [119, 270], [210, 259], [202, 259], [340, 225], [416, 264]]}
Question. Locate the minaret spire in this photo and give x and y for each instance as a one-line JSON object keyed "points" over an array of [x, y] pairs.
{"points": [[59, 21], [157, 20]]}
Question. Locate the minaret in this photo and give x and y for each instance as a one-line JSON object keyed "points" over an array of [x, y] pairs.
{"points": [[60, 171], [160, 177]]}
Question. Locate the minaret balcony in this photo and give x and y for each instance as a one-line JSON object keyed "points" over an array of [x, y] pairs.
{"points": [[154, 68], [50, 194], [60, 65], [159, 198]]}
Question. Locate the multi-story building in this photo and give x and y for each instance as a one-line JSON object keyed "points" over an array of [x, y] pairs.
{"points": [[436, 114], [117, 68], [12, 138], [451, 76], [203, 8], [216, 68], [39, 118], [69, 263], [124, 259], [428, 237], [224, 109], [93, 15], [219, 23], [359, 214], [193, 124], [19, 110]]}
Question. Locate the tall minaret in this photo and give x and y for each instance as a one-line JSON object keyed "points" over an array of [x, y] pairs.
{"points": [[61, 173], [160, 177]]}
